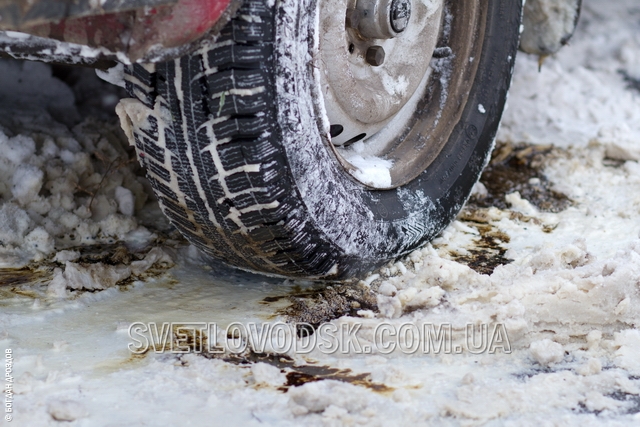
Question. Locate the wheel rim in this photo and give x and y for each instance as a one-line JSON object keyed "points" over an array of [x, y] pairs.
{"points": [[371, 107]]}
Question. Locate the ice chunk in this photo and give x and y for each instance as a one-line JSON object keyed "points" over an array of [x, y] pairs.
{"points": [[96, 276], [155, 255], [18, 149], [66, 410], [66, 255], [626, 356], [14, 223], [546, 352], [620, 142], [57, 287], [39, 241], [387, 289], [267, 374], [519, 204], [114, 75], [126, 201], [27, 181]]}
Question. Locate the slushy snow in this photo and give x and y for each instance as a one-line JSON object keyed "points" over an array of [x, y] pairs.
{"points": [[568, 300]]}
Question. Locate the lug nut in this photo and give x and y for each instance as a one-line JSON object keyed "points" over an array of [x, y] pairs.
{"points": [[375, 56]]}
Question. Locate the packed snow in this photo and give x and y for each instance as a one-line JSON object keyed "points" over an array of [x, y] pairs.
{"points": [[369, 169], [563, 306]]}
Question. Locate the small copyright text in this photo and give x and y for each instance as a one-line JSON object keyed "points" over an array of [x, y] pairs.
{"points": [[8, 384]]}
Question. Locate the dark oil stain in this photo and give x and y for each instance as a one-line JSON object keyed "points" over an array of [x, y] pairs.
{"points": [[121, 255], [273, 299], [323, 304], [511, 169], [23, 276], [31, 281], [116, 254], [612, 163], [25, 282], [139, 356], [535, 370], [132, 361], [297, 375], [108, 253], [135, 358], [188, 340], [473, 214], [488, 252], [308, 373], [303, 374]]}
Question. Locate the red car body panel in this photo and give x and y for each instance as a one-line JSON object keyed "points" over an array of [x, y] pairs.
{"points": [[141, 33]]}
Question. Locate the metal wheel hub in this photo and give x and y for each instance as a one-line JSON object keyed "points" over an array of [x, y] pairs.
{"points": [[380, 19], [373, 56]]}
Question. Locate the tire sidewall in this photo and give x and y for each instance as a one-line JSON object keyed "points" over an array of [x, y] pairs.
{"points": [[369, 225]]}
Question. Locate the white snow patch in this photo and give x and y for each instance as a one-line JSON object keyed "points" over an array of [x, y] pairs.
{"points": [[66, 410], [126, 201], [267, 374], [546, 352], [371, 170], [114, 75]]}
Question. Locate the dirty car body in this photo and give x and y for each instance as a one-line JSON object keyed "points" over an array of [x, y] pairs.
{"points": [[94, 33], [89, 32]]}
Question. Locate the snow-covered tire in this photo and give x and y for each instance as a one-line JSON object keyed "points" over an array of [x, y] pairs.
{"points": [[235, 139]]}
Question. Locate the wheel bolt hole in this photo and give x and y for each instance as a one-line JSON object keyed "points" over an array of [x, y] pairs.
{"points": [[355, 139], [351, 47], [335, 130]]}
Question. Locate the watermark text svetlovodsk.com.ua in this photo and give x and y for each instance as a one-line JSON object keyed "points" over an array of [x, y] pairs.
{"points": [[327, 338]]}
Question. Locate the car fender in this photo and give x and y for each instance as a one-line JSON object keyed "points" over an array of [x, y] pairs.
{"points": [[123, 30]]}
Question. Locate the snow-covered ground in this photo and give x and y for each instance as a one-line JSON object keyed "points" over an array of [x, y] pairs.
{"points": [[552, 271]]}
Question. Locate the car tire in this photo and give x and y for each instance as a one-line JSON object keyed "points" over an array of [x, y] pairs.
{"points": [[241, 152]]}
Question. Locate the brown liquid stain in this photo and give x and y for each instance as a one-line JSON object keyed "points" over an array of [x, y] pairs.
{"points": [[296, 375], [325, 303], [23, 276], [28, 281], [303, 374], [488, 252], [511, 168]]}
